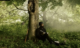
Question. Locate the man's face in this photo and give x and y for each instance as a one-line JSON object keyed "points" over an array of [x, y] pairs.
{"points": [[42, 24]]}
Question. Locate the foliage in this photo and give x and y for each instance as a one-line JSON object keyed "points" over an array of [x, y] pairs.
{"points": [[53, 3], [74, 2], [17, 2], [46, 2], [12, 36], [8, 13]]}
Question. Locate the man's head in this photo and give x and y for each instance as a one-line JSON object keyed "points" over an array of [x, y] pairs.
{"points": [[41, 24]]}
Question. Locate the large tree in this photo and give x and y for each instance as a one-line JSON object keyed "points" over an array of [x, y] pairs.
{"points": [[33, 6], [33, 18]]}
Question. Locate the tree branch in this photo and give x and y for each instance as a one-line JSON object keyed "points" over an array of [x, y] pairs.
{"points": [[19, 8]]}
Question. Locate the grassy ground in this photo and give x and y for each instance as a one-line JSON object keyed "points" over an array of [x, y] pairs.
{"points": [[12, 36]]}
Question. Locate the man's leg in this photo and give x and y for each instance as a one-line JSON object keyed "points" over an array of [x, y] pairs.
{"points": [[48, 38]]}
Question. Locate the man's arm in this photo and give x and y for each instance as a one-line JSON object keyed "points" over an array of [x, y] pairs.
{"points": [[38, 33], [44, 32]]}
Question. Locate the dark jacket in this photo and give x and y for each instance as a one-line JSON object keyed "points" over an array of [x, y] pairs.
{"points": [[39, 32]]}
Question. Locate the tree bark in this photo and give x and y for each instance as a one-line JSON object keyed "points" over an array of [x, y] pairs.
{"points": [[33, 18]]}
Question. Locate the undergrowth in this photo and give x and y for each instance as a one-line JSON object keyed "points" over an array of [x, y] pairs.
{"points": [[12, 36]]}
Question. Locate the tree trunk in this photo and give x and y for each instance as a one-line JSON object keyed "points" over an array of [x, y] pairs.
{"points": [[44, 18], [33, 18]]}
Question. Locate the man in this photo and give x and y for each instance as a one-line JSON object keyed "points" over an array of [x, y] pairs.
{"points": [[41, 34]]}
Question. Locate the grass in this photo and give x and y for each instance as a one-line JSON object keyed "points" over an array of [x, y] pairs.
{"points": [[12, 36]]}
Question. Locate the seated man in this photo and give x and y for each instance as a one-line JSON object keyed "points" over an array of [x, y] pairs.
{"points": [[41, 34]]}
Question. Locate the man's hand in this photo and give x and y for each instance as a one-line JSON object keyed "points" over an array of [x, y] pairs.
{"points": [[43, 32]]}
